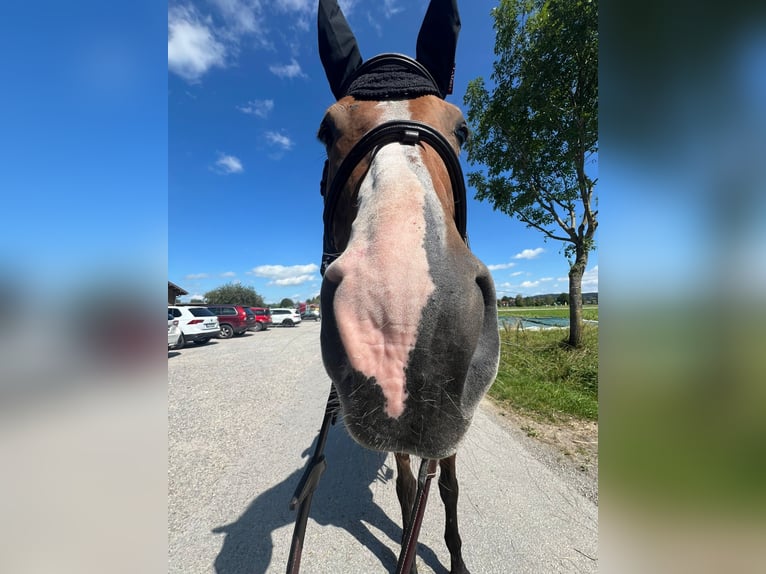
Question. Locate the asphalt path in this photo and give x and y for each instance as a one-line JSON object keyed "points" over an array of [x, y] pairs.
{"points": [[243, 415]]}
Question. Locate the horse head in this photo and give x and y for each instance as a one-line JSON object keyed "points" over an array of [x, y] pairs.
{"points": [[409, 333]]}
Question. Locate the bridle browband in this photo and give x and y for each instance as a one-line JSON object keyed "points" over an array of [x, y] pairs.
{"points": [[404, 132]]}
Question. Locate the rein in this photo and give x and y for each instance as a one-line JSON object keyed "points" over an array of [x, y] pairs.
{"points": [[304, 492], [404, 132]]}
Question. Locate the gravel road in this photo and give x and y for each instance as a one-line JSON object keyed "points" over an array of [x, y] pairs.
{"points": [[242, 417]]}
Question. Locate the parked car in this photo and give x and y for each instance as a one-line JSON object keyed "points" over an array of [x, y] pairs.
{"points": [[234, 319], [197, 324], [262, 318], [174, 333], [285, 317], [311, 315]]}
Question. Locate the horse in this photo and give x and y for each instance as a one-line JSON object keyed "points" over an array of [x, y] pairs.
{"points": [[409, 333]]}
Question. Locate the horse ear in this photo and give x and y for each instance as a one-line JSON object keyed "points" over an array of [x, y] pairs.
{"points": [[437, 42], [338, 49]]}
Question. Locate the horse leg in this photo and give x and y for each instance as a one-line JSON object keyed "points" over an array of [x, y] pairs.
{"points": [[406, 489], [448, 489]]}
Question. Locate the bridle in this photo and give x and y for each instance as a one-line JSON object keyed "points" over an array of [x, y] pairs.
{"points": [[404, 132]]}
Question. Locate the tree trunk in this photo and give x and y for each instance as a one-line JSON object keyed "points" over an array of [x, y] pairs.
{"points": [[575, 297]]}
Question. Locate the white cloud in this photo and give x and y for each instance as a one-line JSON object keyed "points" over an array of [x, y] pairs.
{"points": [[517, 273], [241, 16], [194, 276], [295, 5], [227, 164], [304, 10], [291, 70], [228, 274], [590, 280], [546, 279], [260, 108], [529, 253], [374, 23], [192, 46], [529, 284], [390, 8], [500, 266], [298, 280], [286, 275], [280, 140], [347, 6]]}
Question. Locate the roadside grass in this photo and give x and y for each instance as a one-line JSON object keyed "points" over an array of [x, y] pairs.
{"points": [[540, 375], [589, 312]]}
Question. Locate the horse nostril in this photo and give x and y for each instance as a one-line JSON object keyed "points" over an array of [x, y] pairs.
{"points": [[334, 272], [347, 264], [486, 286]]}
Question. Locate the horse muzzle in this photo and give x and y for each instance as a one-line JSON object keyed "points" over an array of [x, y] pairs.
{"points": [[410, 368]]}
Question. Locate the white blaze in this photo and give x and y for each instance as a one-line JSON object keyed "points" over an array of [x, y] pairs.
{"points": [[384, 275]]}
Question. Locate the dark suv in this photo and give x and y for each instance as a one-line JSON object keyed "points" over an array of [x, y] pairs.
{"points": [[262, 318], [234, 319]]}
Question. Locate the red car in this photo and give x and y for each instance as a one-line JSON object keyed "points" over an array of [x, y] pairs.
{"points": [[233, 319], [262, 318]]}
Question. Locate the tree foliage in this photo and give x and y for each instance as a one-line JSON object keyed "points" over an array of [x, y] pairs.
{"points": [[234, 294], [287, 303], [536, 131]]}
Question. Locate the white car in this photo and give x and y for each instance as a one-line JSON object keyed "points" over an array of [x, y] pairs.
{"points": [[174, 333], [198, 324], [285, 317]]}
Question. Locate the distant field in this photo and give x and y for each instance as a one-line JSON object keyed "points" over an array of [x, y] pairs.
{"points": [[589, 312]]}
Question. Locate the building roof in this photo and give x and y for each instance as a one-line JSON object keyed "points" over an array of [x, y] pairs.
{"points": [[177, 289]]}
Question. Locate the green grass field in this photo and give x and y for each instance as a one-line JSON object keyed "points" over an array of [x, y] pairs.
{"points": [[589, 312], [540, 375]]}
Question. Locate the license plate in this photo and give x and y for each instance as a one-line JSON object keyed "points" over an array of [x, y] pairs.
{"points": [[209, 325]]}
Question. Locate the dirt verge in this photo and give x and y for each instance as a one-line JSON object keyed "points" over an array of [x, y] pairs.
{"points": [[568, 446]]}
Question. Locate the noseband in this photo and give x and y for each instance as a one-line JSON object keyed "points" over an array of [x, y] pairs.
{"points": [[404, 132]]}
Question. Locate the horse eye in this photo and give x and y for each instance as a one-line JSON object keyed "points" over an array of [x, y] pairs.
{"points": [[462, 133]]}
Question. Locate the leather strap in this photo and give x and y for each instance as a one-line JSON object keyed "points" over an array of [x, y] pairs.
{"points": [[405, 132]]}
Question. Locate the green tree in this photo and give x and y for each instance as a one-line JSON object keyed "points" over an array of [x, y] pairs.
{"points": [[287, 303], [519, 300], [234, 293], [536, 131]]}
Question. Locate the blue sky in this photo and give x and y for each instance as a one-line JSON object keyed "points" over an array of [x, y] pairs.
{"points": [[246, 93], [83, 142]]}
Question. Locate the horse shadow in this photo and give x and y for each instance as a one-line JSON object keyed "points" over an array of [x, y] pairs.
{"points": [[343, 499]]}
